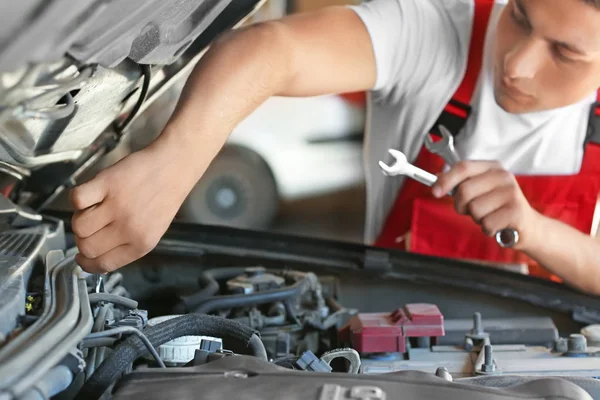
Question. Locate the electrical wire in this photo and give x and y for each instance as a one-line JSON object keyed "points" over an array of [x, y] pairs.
{"points": [[147, 73], [129, 330]]}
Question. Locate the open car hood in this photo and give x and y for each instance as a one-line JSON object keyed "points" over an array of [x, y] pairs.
{"points": [[75, 74], [214, 312]]}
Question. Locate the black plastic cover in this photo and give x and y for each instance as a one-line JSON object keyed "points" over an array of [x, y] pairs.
{"points": [[251, 378]]}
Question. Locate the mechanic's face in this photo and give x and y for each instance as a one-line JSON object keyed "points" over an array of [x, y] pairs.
{"points": [[547, 54]]}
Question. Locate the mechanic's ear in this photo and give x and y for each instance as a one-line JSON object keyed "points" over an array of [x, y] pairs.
{"points": [[87, 194]]}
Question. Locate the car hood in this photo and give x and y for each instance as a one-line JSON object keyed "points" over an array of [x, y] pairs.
{"points": [[74, 76], [69, 67]]}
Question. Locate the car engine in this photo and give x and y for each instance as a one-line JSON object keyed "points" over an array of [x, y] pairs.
{"points": [[153, 330]]}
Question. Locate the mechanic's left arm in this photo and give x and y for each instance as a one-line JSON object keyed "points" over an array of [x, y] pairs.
{"points": [[493, 198]]}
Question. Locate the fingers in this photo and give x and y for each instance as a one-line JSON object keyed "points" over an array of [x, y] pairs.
{"points": [[461, 172], [110, 261], [88, 194], [87, 222], [487, 203], [100, 242], [497, 221], [471, 191]]}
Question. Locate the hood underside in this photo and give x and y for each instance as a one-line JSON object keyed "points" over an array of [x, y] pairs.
{"points": [[70, 68]]}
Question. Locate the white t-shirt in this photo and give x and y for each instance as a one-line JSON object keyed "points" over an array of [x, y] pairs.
{"points": [[421, 49]]}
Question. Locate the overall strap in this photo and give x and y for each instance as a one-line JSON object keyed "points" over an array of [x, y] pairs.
{"points": [[593, 136], [458, 109]]}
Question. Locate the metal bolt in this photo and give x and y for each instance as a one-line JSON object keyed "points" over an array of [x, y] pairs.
{"points": [[477, 325], [469, 344], [577, 343], [561, 345], [477, 333], [442, 372], [488, 354], [488, 359]]}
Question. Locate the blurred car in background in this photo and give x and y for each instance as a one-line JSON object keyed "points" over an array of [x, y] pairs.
{"points": [[288, 149]]}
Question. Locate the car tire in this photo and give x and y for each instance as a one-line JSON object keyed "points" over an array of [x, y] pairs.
{"points": [[237, 190]]}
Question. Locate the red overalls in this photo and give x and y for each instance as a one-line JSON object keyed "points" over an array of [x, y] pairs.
{"points": [[438, 230]]}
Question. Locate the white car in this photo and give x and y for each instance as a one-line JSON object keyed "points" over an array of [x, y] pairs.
{"points": [[289, 148]]}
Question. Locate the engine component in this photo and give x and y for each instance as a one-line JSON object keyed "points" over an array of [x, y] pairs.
{"points": [[230, 376], [64, 321], [245, 300], [350, 355], [55, 381], [310, 362], [255, 279], [388, 332], [111, 298], [576, 345], [207, 349], [12, 215], [137, 319], [209, 287], [534, 331], [133, 348], [181, 350], [506, 359], [592, 335], [20, 249], [129, 330], [488, 366], [476, 335]]}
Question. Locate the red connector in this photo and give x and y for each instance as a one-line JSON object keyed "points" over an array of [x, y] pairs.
{"points": [[387, 332]]}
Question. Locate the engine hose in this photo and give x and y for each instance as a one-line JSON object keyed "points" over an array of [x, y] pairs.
{"points": [[209, 284], [111, 298], [258, 348], [133, 348], [114, 279], [244, 300], [98, 326], [98, 342], [272, 320]]}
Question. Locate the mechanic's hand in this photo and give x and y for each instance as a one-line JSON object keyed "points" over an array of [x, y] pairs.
{"points": [[123, 212], [491, 196]]}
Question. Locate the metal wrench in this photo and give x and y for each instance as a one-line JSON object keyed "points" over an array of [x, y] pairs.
{"points": [[444, 148], [506, 238]]}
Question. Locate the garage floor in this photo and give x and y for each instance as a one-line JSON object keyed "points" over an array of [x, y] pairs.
{"points": [[337, 216]]}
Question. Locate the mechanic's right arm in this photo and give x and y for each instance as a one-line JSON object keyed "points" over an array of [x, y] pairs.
{"points": [[123, 212]]}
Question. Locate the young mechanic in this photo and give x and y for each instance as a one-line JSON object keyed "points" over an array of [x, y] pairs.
{"points": [[521, 76]]}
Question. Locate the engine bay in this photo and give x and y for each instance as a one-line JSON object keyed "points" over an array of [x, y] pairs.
{"points": [[192, 318]]}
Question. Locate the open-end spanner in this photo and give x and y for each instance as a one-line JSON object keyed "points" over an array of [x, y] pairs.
{"points": [[444, 147], [506, 238]]}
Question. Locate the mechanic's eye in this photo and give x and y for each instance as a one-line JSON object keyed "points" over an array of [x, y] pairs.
{"points": [[559, 52]]}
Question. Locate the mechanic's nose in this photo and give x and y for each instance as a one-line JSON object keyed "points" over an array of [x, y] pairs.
{"points": [[524, 61]]}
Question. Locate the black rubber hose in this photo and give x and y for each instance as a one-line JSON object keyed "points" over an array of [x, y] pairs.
{"points": [[258, 348], [209, 284], [187, 325], [112, 298], [244, 300]]}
